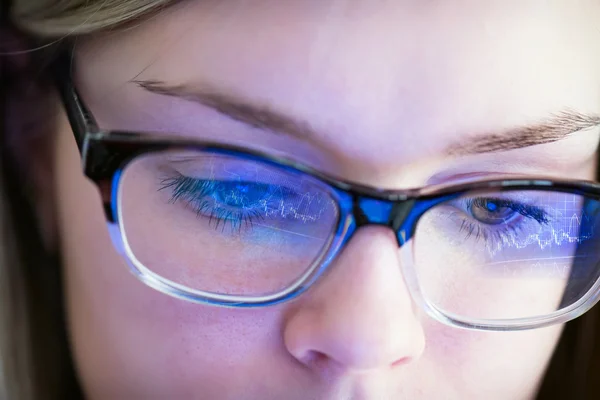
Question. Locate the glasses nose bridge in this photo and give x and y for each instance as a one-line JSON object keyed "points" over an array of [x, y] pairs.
{"points": [[391, 213]]}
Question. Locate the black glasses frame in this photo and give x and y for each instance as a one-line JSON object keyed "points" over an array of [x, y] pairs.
{"points": [[106, 153]]}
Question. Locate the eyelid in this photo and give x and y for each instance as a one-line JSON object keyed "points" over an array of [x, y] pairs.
{"points": [[195, 168]]}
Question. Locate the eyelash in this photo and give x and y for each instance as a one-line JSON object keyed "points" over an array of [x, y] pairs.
{"points": [[195, 193], [503, 234]]}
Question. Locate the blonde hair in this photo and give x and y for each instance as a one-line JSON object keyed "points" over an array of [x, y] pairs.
{"points": [[55, 18]]}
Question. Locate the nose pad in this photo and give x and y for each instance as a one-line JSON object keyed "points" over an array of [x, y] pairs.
{"points": [[360, 317]]}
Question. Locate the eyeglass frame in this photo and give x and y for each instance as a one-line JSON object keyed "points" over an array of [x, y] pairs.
{"points": [[105, 154]]}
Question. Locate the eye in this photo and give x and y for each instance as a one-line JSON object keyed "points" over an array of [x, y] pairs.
{"points": [[492, 211], [245, 195]]}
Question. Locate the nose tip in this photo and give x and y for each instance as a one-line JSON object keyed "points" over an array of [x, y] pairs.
{"points": [[361, 316], [353, 351]]}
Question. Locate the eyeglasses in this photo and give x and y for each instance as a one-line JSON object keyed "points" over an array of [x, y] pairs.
{"points": [[225, 225]]}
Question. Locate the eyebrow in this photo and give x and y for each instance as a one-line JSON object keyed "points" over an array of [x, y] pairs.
{"points": [[551, 129]]}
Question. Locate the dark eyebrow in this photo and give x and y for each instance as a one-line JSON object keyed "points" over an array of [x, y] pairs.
{"points": [[256, 116], [556, 127]]}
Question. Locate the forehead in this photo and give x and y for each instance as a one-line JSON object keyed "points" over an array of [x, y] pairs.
{"points": [[371, 73]]}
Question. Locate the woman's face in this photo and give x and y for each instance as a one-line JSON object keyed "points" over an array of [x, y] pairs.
{"points": [[396, 94]]}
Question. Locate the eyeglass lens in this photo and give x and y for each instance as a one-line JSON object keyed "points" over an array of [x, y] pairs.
{"points": [[507, 254], [224, 224]]}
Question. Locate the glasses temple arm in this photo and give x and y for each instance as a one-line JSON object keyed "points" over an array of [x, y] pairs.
{"points": [[80, 118]]}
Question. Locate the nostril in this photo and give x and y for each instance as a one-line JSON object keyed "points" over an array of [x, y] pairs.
{"points": [[319, 360], [401, 361], [327, 367]]}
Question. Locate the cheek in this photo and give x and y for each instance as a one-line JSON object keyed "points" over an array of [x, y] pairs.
{"points": [[477, 361]]}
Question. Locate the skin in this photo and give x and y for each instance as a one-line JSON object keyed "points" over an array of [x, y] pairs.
{"points": [[388, 85]]}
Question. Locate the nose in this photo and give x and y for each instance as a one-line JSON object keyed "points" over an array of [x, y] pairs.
{"points": [[360, 316]]}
